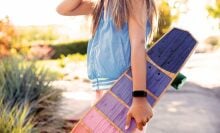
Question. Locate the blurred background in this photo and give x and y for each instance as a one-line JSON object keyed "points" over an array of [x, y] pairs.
{"points": [[43, 77]]}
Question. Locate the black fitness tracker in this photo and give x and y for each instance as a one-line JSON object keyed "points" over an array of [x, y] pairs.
{"points": [[139, 93]]}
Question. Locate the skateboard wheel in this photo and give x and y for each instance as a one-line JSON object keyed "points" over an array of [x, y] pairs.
{"points": [[179, 81]]}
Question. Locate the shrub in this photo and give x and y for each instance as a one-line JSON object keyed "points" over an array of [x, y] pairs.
{"points": [[7, 33], [18, 40], [70, 48], [214, 10], [22, 83]]}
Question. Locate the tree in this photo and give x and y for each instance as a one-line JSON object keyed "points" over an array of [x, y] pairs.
{"points": [[214, 10], [165, 18], [7, 33]]}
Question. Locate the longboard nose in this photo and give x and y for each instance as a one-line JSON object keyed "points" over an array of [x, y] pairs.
{"points": [[171, 51]]}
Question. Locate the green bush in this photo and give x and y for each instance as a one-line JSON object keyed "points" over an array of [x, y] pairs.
{"points": [[70, 48], [214, 10], [23, 83]]}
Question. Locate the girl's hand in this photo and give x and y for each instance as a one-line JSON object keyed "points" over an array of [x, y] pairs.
{"points": [[141, 111]]}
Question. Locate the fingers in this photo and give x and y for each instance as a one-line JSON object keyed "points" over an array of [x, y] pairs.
{"points": [[146, 120], [141, 124], [144, 123], [151, 116], [128, 121]]}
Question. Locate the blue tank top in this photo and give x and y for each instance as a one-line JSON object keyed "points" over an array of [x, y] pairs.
{"points": [[108, 53]]}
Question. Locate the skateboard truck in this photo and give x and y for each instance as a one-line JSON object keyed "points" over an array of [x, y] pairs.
{"points": [[179, 81]]}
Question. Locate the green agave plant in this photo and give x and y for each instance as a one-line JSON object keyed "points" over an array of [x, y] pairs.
{"points": [[15, 120], [23, 83]]}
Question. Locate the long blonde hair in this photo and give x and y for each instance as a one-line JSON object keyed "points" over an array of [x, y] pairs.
{"points": [[120, 11]]}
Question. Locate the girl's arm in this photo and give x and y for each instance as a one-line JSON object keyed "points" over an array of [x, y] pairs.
{"points": [[75, 7], [140, 109]]}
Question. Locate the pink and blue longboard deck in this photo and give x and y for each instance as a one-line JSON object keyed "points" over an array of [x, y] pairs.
{"points": [[164, 60]]}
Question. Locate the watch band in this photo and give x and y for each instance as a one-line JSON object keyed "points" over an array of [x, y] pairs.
{"points": [[139, 93]]}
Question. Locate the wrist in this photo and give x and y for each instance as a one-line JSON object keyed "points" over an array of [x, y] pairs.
{"points": [[139, 99], [139, 96]]}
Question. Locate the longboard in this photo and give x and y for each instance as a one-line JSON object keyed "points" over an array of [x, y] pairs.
{"points": [[164, 61]]}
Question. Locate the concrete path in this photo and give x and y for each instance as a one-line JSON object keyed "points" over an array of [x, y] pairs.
{"points": [[191, 109], [196, 107]]}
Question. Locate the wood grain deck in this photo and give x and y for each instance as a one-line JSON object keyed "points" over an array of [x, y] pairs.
{"points": [[164, 60]]}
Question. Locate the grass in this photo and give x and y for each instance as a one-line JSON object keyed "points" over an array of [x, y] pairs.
{"points": [[63, 60]]}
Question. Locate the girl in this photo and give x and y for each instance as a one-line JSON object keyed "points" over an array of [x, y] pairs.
{"points": [[118, 41]]}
